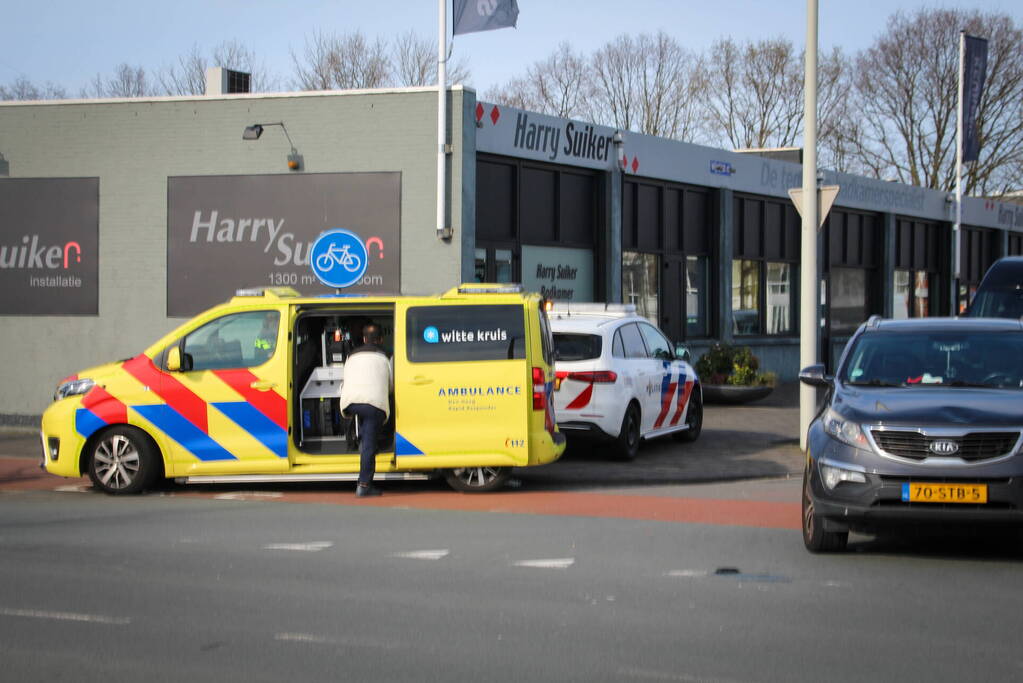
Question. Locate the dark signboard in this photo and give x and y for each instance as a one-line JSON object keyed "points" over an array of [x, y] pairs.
{"points": [[49, 246], [229, 232]]}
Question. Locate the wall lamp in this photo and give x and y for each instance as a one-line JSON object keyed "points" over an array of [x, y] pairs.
{"points": [[255, 130]]}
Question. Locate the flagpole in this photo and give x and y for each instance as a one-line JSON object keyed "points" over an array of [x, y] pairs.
{"points": [[956, 266], [442, 118]]}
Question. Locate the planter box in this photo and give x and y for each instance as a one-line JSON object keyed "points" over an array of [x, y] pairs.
{"points": [[731, 394]]}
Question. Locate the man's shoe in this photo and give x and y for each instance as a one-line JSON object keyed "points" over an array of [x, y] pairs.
{"points": [[367, 491]]}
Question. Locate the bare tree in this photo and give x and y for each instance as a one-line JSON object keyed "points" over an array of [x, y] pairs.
{"points": [[647, 84], [126, 81], [560, 85], [754, 94], [415, 63], [188, 77], [907, 85], [341, 62], [23, 89]]}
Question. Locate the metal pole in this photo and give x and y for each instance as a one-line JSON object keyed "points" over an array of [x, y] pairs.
{"points": [[442, 117], [808, 323], [956, 266]]}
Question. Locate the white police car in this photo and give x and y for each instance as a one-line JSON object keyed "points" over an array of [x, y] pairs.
{"points": [[618, 378]]}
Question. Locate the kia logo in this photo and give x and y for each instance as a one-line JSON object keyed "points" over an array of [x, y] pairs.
{"points": [[944, 447]]}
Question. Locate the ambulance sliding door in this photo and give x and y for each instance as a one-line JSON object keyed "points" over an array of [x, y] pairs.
{"points": [[462, 389]]}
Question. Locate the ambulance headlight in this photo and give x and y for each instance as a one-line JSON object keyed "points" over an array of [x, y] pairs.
{"points": [[73, 388]]}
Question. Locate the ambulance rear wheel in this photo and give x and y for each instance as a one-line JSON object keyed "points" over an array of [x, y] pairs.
{"points": [[477, 479], [123, 460]]}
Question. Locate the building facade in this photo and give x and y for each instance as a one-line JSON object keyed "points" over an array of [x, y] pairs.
{"points": [[121, 218]]}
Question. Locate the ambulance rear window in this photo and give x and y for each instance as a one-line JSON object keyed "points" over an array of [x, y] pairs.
{"points": [[576, 346], [436, 334]]}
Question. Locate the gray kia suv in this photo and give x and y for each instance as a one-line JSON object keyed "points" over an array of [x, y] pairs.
{"points": [[921, 424]]}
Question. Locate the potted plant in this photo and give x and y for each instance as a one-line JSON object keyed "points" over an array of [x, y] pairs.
{"points": [[731, 374]]}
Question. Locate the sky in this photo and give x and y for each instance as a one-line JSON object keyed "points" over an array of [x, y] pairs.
{"points": [[69, 42]]}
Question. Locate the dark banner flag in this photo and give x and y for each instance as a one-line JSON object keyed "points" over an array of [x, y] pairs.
{"points": [[974, 70], [483, 15]]}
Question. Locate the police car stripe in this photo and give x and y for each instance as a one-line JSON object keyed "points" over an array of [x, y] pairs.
{"points": [[683, 400], [270, 404], [177, 395], [258, 425], [667, 391], [178, 427]]}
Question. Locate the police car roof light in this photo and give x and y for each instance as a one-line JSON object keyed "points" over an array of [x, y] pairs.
{"points": [[593, 308]]}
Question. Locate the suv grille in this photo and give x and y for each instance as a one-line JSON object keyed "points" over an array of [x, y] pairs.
{"points": [[973, 446]]}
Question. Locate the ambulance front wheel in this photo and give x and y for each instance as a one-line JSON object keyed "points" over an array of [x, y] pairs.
{"points": [[123, 460], [477, 479]]}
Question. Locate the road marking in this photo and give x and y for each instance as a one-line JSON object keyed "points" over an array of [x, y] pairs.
{"points": [[688, 573], [248, 495], [311, 547], [65, 616], [423, 554], [72, 488], [301, 637], [554, 563]]}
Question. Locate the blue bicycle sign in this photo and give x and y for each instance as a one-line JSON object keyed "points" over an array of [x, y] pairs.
{"points": [[339, 258]]}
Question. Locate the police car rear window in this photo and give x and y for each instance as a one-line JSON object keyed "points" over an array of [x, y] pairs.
{"points": [[576, 346], [437, 334]]}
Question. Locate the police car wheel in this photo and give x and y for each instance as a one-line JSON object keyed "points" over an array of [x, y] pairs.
{"points": [[694, 419], [477, 479], [122, 460], [626, 447]]}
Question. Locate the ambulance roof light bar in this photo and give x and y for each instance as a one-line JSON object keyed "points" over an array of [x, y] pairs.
{"points": [[268, 292], [489, 288]]}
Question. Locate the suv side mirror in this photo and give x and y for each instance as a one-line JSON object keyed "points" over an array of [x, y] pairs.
{"points": [[813, 375], [173, 359], [682, 353]]}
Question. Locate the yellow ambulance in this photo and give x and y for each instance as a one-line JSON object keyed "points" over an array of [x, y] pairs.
{"points": [[248, 392]]}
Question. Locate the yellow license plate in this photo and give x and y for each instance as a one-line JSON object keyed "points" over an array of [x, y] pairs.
{"points": [[917, 492]]}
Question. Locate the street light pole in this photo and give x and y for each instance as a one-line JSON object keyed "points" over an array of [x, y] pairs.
{"points": [[808, 323]]}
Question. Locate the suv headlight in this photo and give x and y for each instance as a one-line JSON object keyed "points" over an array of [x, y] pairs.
{"points": [[73, 388], [844, 430]]}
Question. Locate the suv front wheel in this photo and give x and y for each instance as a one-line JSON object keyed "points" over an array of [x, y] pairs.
{"points": [[815, 538]]}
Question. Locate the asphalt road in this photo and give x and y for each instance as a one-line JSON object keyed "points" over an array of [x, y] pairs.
{"points": [[228, 587]]}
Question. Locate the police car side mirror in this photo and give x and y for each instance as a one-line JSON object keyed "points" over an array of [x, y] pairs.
{"points": [[682, 353]]}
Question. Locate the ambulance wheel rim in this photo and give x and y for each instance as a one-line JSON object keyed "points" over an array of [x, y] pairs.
{"points": [[117, 461]]}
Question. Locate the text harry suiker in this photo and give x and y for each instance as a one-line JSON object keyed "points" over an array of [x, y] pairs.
{"points": [[584, 144]]}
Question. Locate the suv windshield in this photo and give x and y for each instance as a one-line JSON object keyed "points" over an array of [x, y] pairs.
{"points": [[576, 346], [938, 358]]}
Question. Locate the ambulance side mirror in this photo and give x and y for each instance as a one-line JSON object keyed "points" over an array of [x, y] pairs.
{"points": [[174, 359]]}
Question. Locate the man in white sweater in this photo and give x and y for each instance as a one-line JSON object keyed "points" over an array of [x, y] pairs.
{"points": [[368, 382]]}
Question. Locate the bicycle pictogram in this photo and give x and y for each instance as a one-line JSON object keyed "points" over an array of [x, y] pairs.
{"points": [[338, 255], [339, 258]]}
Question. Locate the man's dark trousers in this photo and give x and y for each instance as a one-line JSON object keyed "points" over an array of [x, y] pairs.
{"points": [[371, 419]]}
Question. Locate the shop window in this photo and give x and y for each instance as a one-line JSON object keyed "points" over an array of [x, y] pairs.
{"points": [[697, 296], [848, 298], [639, 282], [745, 297], [912, 294], [779, 298], [493, 264]]}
